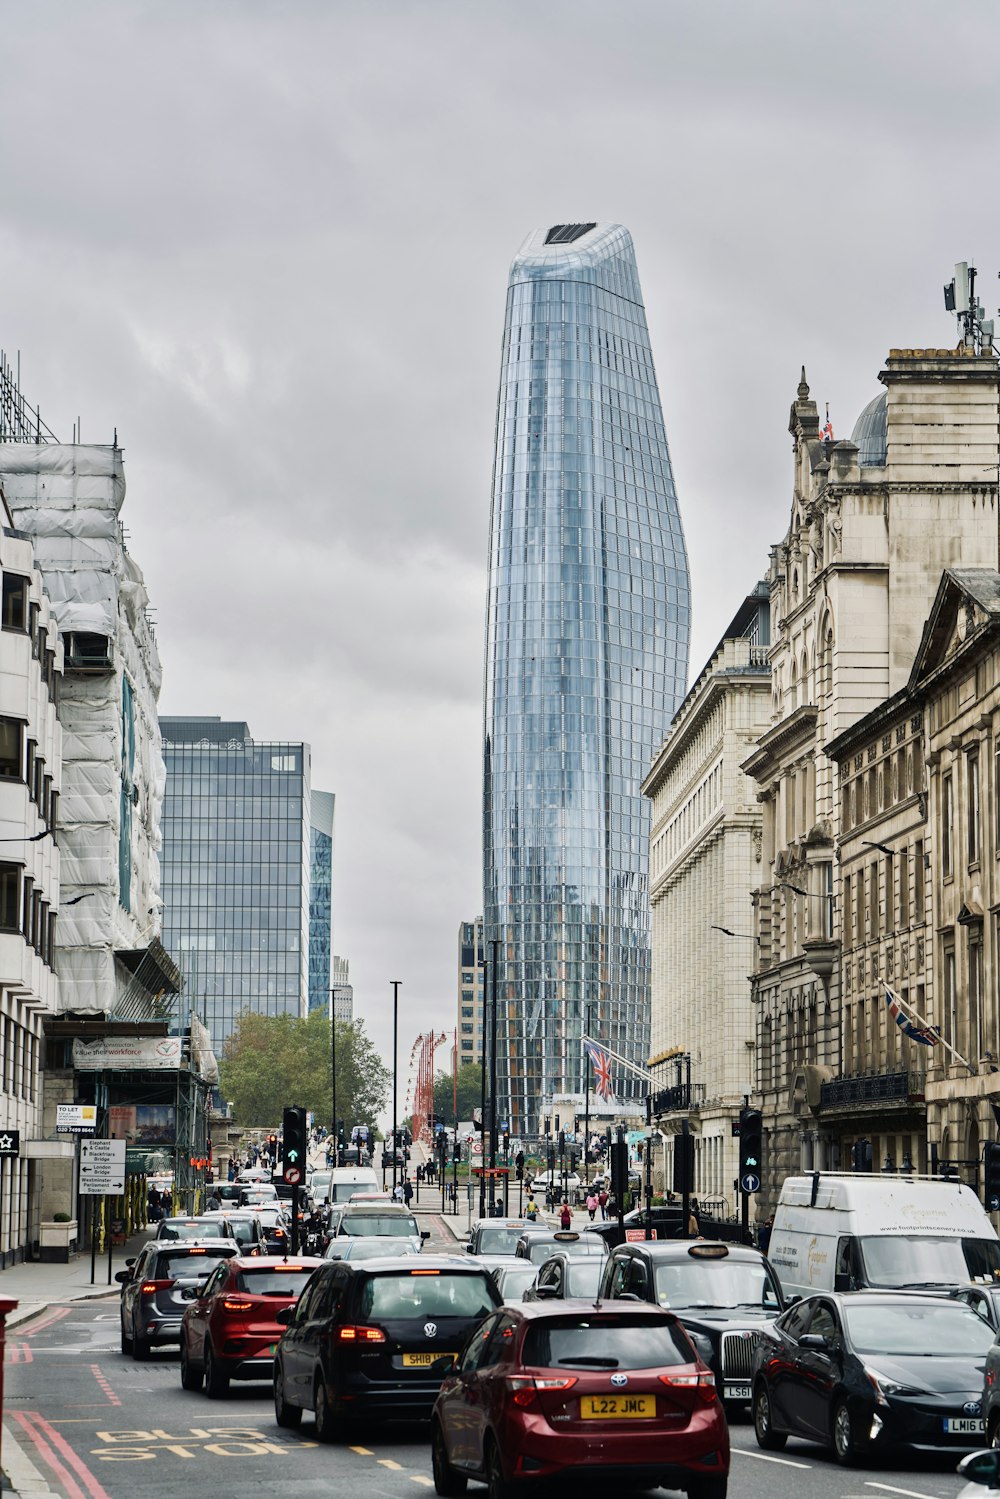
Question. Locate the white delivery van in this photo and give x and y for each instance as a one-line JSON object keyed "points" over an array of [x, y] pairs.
{"points": [[346, 1180], [846, 1232]]}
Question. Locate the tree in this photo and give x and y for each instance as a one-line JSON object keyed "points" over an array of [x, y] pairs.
{"points": [[270, 1061], [470, 1092]]}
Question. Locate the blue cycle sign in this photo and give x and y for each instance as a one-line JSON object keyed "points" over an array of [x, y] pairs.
{"points": [[749, 1182]]}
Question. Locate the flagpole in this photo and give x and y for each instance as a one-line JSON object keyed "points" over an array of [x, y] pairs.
{"points": [[646, 1076], [905, 1005]]}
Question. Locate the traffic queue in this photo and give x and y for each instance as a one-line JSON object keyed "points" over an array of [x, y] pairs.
{"points": [[539, 1351]]}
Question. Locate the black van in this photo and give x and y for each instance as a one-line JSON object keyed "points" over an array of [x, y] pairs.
{"points": [[374, 1338]]}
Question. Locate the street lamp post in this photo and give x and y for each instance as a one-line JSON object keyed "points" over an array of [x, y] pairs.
{"points": [[333, 1074], [483, 1059], [494, 945], [395, 1072]]}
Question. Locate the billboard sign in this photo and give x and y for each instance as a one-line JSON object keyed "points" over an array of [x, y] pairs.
{"points": [[76, 1118], [128, 1054]]}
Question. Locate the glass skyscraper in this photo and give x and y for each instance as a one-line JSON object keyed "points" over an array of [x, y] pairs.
{"points": [[586, 659], [236, 870]]}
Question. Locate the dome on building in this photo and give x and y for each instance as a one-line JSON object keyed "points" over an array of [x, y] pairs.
{"points": [[869, 435]]}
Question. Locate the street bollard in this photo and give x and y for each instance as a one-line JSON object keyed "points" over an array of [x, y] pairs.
{"points": [[6, 1305]]}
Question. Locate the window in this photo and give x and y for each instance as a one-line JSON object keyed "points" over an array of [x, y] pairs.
{"points": [[976, 1042], [15, 602], [38, 782], [947, 826], [88, 652], [10, 897], [27, 886], [34, 630], [918, 882], [887, 868], [848, 912], [873, 901], [11, 748], [904, 888], [949, 999], [973, 850]]}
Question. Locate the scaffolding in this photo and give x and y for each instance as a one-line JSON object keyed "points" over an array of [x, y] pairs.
{"points": [[18, 423]]}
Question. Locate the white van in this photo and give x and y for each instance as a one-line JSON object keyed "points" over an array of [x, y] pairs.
{"points": [[346, 1180], [846, 1232]]}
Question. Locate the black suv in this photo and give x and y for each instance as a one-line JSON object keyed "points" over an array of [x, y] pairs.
{"points": [[152, 1302], [375, 1338], [724, 1294]]}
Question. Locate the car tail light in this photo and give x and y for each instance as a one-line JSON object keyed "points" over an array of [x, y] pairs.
{"points": [[236, 1304], [703, 1381], [354, 1334], [524, 1389], [150, 1287]]}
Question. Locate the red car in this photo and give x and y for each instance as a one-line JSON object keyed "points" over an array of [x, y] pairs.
{"points": [[229, 1331], [543, 1391]]}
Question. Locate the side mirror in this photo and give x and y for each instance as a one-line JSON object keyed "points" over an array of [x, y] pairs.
{"points": [[284, 1315], [425, 1234], [841, 1282], [815, 1341], [628, 1296], [123, 1275], [190, 1293], [132, 1261], [444, 1364], [547, 1293], [982, 1467]]}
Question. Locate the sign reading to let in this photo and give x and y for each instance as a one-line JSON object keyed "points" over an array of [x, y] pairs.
{"points": [[76, 1118]]}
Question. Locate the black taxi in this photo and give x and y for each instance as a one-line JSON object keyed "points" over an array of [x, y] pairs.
{"points": [[373, 1339], [724, 1294]]}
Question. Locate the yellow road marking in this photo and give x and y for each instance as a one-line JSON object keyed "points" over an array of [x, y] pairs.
{"points": [[428, 1483], [363, 1451], [387, 1462]]}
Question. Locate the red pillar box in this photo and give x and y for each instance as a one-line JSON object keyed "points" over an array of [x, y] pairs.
{"points": [[6, 1305]]}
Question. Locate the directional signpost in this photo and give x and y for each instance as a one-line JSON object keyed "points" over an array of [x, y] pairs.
{"points": [[102, 1174]]}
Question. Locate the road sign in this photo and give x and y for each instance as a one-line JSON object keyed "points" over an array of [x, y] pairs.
{"points": [[76, 1118], [293, 1175], [749, 1182], [10, 1142], [102, 1167]]}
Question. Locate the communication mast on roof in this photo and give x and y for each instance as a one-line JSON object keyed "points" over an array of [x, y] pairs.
{"points": [[960, 298]]}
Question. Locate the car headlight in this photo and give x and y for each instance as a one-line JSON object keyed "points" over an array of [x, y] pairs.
{"points": [[884, 1386]]}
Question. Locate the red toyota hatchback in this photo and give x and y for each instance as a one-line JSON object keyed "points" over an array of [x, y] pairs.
{"points": [[543, 1391], [229, 1331]]}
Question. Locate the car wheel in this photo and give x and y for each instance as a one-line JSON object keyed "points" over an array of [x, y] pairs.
{"points": [[288, 1416], [216, 1379], [845, 1442], [191, 1374], [708, 1488], [140, 1348], [767, 1438], [498, 1487], [126, 1340], [447, 1483], [329, 1427]]}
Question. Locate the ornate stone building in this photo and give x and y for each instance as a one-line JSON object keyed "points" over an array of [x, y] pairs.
{"points": [[704, 857], [874, 523]]}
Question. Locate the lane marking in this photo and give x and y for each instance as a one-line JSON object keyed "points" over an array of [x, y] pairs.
{"points": [[363, 1451], [387, 1462], [55, 1316], [891, 1489], [785, 1462], [428, 1483], [102, 1381], [48, 1456], [75, 1462]]}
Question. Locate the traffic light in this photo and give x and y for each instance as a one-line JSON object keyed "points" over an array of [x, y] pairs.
{"points": [[341, 1133], [519, 1165], [751, 1149], [562, 1142], [683, 1163], [272, 1147], [991, 1176], [619, 1169], [861, 1155], [456, 1150], [557, 1123], [293, 1128], [547, 1125], [506, 1143]]}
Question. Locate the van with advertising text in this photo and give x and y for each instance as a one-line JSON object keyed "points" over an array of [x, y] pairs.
{"points": [[838, 1231]]}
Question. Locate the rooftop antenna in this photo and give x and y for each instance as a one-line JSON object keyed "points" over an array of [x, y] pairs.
{"points": [[960, 298]]}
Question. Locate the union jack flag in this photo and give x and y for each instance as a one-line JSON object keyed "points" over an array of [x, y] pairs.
{"points": [[921, 1033], [602, 1068]]}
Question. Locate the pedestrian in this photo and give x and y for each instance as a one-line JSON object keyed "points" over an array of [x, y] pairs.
{"points": [[565, 1217], [407, 1191], [531, 1208], [154, 1205], [397, 1192], [452, 1193], [764, 1234], [214, 1202], [602, 1200], [591, 1205], [497, 1209], [231, 1173]]}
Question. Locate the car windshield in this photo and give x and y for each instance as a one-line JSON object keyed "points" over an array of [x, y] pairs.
{"points": [[366, 1225], [605, 1343], [498, 1240], [583, 1276], [243, 1230], [948, 1330], [367, 1249], [725, 1282], [186, 1266], [419, 1294], [915, 1260], [513, 1281], [273, 1282], [205, 1228]]}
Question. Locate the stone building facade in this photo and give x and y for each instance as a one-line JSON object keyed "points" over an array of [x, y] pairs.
{"points": [[874, 523], [704, 857]]}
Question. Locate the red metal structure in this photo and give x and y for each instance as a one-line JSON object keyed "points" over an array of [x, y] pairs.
{"points": [[423, 1097]]}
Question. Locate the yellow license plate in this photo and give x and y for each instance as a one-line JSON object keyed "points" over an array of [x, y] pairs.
{"points": [[616, 1407], [423, 1360]]}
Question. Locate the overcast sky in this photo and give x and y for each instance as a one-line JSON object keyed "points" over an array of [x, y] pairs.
{"points": [[269, 243]]}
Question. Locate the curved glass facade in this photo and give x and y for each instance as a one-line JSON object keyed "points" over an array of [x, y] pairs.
{"points": [[586, 659]]}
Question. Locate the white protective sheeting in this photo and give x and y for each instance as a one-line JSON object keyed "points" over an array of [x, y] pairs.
{"points": [[67, 498]]}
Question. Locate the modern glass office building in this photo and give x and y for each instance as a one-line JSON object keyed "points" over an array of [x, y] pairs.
{"points": [[236, 870], [320, 900], [586, 659]]}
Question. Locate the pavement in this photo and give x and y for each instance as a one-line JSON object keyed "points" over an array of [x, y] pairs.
{"points": [[37, 1286]]}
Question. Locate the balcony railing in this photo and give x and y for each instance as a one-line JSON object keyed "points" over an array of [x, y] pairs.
{"points": [[670, 1099], [871, 1088]]}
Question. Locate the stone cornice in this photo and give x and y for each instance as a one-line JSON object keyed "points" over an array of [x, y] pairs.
{"points": [[797, 728]]}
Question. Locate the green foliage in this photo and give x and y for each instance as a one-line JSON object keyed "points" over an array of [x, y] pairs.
{"points": [[272, 1061], [470, 1092]]}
